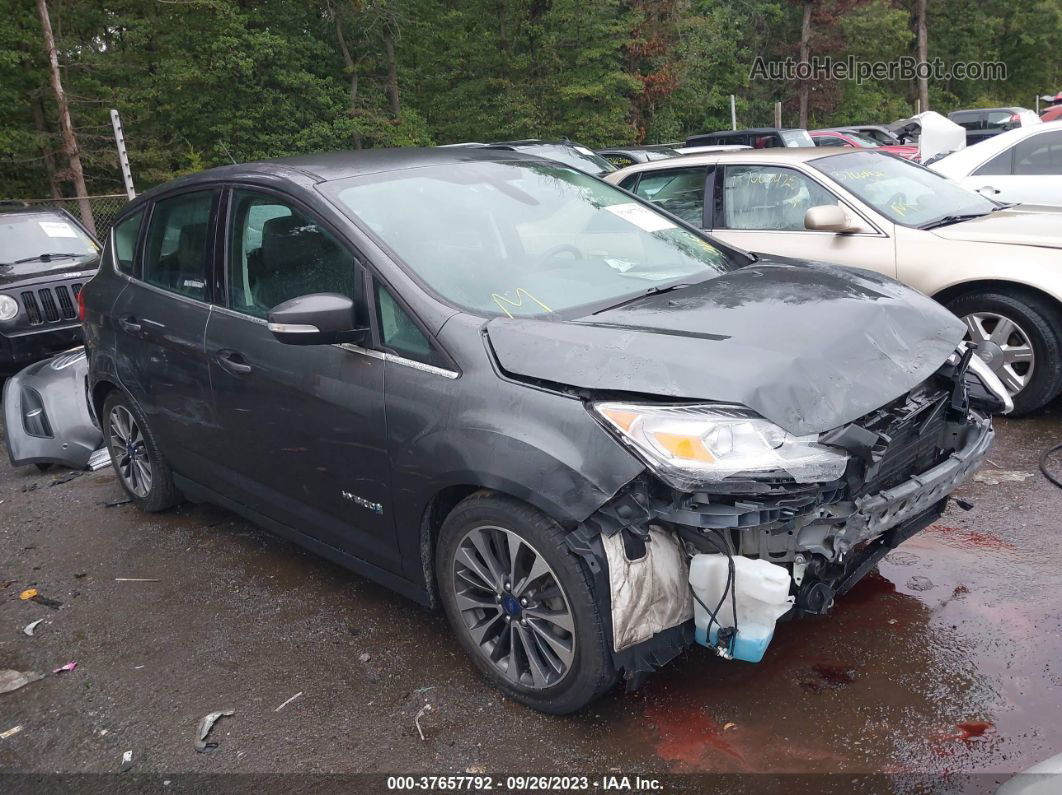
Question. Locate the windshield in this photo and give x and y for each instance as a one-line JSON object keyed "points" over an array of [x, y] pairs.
{"points": [[863, 140], [901, 191], [797, 138], [571, 155], [524, 238], [26, 236]]}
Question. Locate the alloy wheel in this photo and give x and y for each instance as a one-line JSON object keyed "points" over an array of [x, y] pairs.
{"points": [[129, 451], [1004, 346], [514, 607]]}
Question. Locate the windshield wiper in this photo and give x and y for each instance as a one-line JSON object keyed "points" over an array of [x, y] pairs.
{"points": [[646, 294], [47, 257], [947, 220]]}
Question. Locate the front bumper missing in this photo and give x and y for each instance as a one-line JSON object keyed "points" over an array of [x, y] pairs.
{"points": [[829, 543]]}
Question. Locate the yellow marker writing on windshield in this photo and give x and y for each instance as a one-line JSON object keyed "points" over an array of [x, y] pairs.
{"points": [[521, 293]]}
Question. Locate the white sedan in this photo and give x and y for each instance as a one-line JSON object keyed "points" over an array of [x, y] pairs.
{"points": [[1023, 165]]}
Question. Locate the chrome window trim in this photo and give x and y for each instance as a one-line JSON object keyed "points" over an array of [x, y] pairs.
{"points": [[224, 310], [395, 359]]}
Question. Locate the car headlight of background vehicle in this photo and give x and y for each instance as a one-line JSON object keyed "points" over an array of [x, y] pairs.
{"points": [[8, 307], [696, 444]]}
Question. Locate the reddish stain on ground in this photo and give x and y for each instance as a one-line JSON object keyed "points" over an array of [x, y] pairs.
{"points": [[972, 728], [971, 538], [687, 733], [827, 676]]}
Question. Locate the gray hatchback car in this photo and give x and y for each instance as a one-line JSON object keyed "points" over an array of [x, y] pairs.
{"points": [[500, 385]]}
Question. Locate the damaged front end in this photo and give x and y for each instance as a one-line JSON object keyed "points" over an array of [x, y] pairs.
{"points": [[721, 557], [48, 416]]}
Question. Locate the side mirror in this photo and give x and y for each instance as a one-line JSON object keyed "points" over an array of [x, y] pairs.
{"points": [[827, 218], [315, 319]]}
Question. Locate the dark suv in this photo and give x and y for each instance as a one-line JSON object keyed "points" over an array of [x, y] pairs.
{"points": [[45, 257], [493, 382]]}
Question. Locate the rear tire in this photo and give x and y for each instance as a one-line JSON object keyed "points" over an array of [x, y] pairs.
{"points": [[1035, 321], [141, 468], [531, 657]]}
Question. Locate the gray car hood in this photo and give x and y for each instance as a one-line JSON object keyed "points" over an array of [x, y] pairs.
{"points": [[808, 346]]}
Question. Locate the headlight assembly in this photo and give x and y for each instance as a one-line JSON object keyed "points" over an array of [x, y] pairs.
{"points": [[691, 445], [8, 307]]}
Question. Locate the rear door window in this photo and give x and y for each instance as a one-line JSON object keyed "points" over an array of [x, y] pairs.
{"points": [[969, 120], [680, 191], [278, 252], [175, 255]]}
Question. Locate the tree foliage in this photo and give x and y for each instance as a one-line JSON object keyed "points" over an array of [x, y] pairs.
{"points": [[205, 82]]}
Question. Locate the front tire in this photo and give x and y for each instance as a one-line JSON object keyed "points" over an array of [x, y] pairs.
{"points": [[522, 605], [1019, 336], [135, 456]]}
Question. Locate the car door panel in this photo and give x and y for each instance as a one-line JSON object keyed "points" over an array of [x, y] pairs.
{"points": [[159, 356], [307, 441]]}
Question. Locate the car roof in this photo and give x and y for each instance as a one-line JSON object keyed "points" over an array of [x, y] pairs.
{"points": [[965, 160], [29, 209], [776, 155], [327, 166], [745, 130]]}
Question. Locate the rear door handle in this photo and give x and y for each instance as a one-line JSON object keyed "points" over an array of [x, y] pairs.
{"points": [[232, 361], [129, 323]]}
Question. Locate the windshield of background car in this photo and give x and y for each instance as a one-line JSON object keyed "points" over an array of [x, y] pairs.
{"points": [[797, 138], [524, 238], [575, 156], [901, 191], [24, 236]]}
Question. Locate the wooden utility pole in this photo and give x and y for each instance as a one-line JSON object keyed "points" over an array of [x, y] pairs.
{"points": [[923, 56], [805, 47], [69, 139]]}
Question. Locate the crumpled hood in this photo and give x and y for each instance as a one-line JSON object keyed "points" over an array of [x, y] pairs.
{"points": [[808, 346], [1021, 225]]}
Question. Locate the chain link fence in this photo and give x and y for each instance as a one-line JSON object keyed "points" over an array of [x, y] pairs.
{"points": [[105, 209]]}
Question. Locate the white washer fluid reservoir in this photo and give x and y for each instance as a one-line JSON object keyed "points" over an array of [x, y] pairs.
{"points": [[761, 591]]}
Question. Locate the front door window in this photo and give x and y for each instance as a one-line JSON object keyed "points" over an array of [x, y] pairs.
{"points": [[769, 198]]}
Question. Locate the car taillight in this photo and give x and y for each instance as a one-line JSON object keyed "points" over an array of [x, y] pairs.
{"points": [[1014, 117], [81, 305]]}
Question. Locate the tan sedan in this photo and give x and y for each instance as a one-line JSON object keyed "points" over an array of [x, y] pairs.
{"points": [[998, 267]]}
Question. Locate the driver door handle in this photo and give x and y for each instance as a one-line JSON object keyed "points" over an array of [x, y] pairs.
{"points": [[129, 323], [988, 189], [232, 362]]}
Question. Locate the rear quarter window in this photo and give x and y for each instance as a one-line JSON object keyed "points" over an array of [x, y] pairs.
{"points": [[125, 236]]}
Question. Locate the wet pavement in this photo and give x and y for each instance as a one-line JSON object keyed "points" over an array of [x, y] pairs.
{"points": [[946, 660]]}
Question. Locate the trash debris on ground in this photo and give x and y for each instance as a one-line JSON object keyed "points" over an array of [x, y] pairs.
{"points": [[127, 761], [919, 583], [6, 583], [33, 595], [12, 680], [1044, 458], [99, 459], [70, 666], [729, 726], [66, 478], [205, 725], [993, 477], [420, 714], [28, 629], [288, 701], [11, 732], [116, 503], [364, 657], [136, 579]]}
